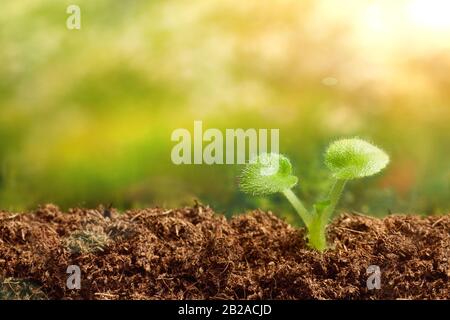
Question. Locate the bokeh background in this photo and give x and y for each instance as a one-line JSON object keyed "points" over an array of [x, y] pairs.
{"points": [[86, 115]]}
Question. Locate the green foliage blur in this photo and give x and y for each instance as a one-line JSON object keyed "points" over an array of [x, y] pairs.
{"points": [[86, 115]]}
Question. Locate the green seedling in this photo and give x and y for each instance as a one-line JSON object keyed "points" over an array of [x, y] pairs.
{"points": [[347, 159], [87, 241], [20, 289]]}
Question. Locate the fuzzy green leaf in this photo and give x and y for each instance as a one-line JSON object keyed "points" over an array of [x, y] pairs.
{"points": [[354, 158], [266, 174]]}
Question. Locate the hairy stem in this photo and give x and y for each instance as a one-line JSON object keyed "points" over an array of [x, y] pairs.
{"points": [[317, 235], [333, 196], [317, 228], [298, 206]]}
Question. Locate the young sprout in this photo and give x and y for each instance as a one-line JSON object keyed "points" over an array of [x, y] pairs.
{"points": [[347, 159], [87, 241], [20, 289]]}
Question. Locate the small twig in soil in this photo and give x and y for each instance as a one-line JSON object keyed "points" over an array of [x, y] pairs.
{"points": [[437, 222], [351, 230], [357, 213], [136, 216], [11, 217], [109, 295]]}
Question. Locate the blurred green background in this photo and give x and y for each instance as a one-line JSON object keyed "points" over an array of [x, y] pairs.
{"points": [[86, 115]]}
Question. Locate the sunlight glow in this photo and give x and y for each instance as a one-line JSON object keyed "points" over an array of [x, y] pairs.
{"points": [[431, 14]]}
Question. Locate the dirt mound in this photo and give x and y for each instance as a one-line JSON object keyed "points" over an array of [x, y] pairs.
{"points": [[191, 253]]}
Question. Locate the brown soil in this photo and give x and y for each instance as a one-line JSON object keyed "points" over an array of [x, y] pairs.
{"points": [[192, 253]]}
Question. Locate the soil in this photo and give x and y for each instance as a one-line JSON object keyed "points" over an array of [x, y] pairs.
{"points": [[192, 253]]}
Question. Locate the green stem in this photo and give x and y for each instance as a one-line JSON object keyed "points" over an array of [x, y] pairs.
{"points": [[333, 196], [317, 229], [298, 206], [317, 235]]}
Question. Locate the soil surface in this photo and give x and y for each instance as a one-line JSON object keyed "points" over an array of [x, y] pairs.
{"points": [[192, 253]]}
